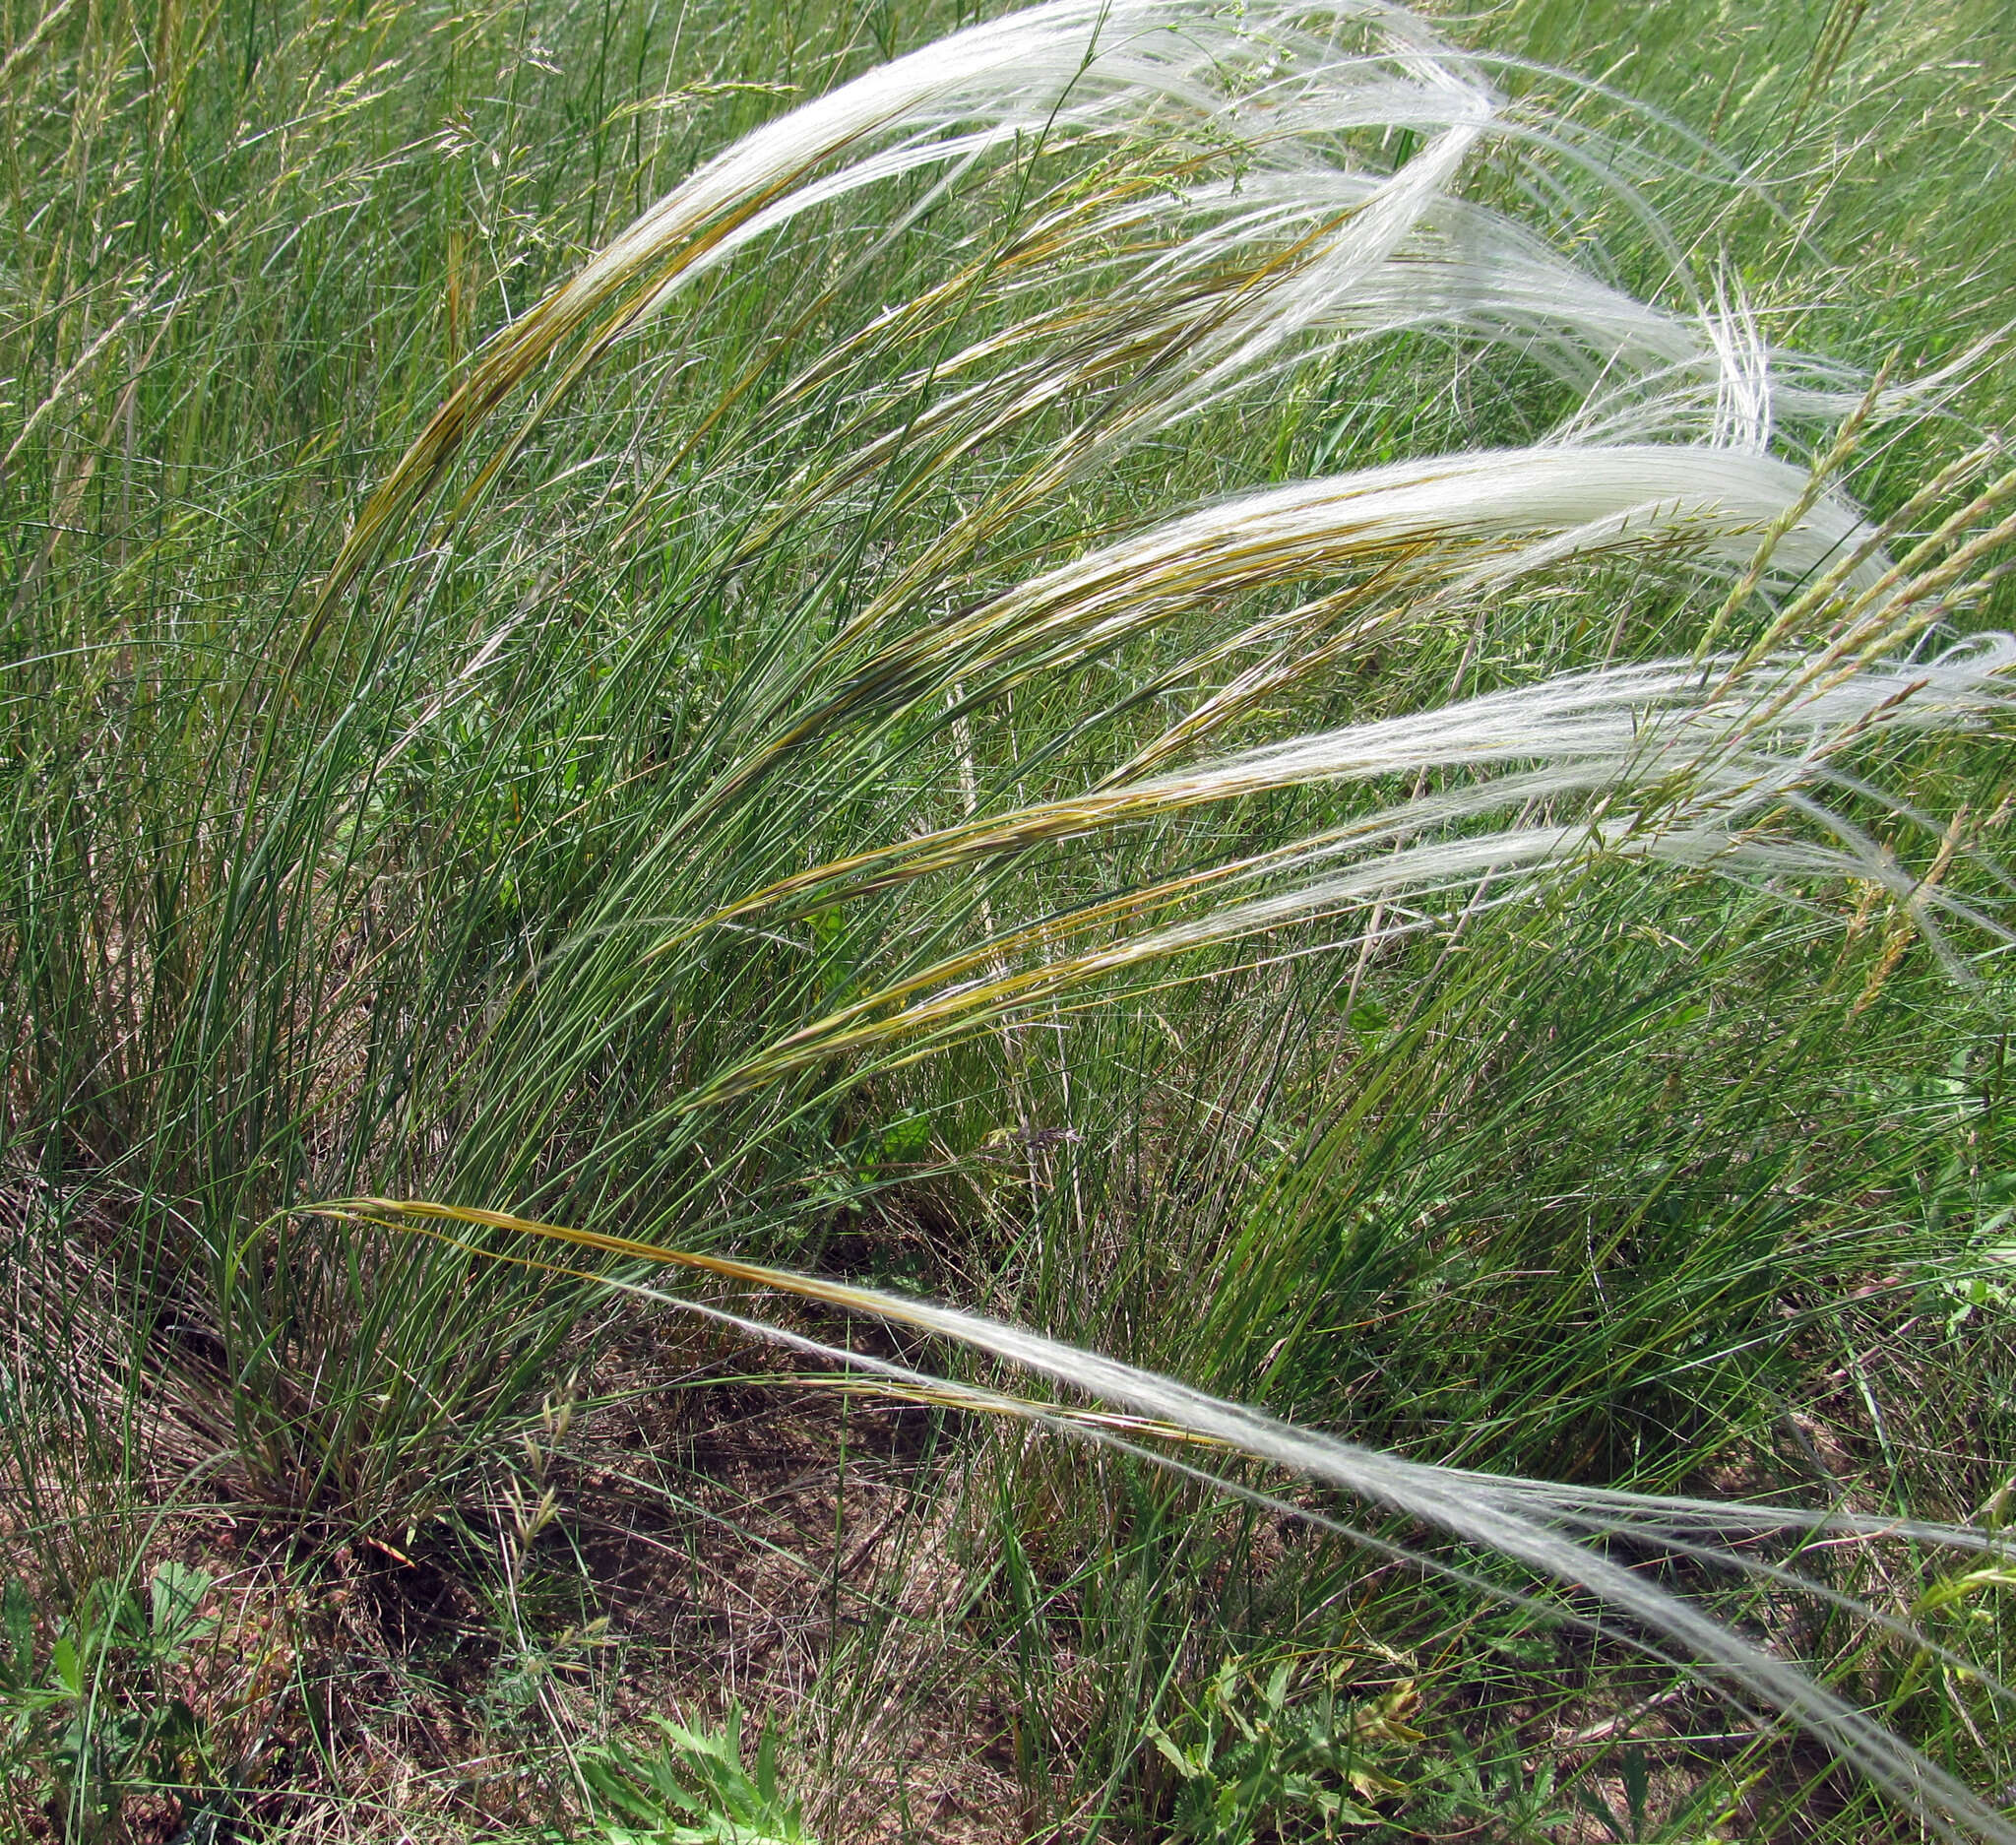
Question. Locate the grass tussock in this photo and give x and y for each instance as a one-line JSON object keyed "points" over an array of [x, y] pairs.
{"points": [[1241, 767]]}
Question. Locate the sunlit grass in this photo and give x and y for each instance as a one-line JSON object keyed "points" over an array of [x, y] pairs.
{"points": [[1178, 674]]}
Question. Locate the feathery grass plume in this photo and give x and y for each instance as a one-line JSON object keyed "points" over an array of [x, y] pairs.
{"points": [[1620, 728], [1674, 776], [1586, 500], [1321, 242], [1534, 1522], [1062, 71]]}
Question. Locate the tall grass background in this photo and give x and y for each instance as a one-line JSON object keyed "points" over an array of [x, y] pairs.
{"points": [[831, 734]]}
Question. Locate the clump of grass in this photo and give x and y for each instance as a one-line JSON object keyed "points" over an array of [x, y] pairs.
{"points": [[978, 586]]}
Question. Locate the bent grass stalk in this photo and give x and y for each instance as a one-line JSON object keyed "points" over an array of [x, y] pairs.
{"points": [[1519, 1518], [1621, 737]]}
